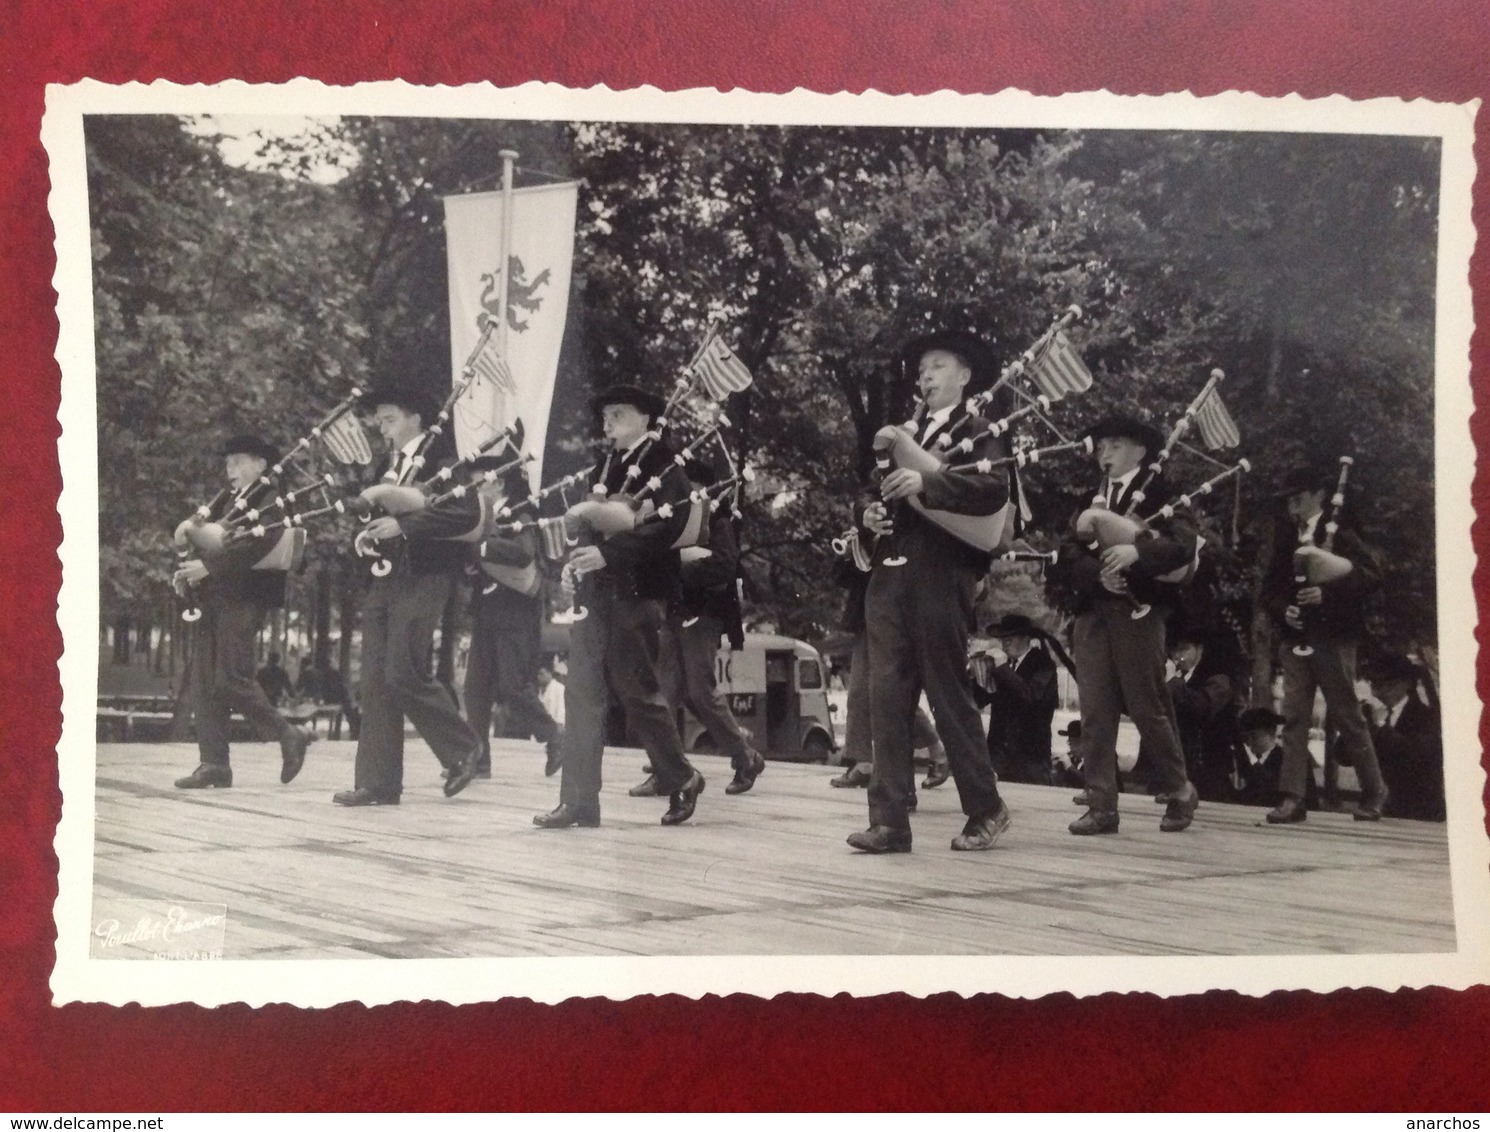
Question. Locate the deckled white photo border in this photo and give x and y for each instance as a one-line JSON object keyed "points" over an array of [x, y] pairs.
{"points": [[325, 982]]}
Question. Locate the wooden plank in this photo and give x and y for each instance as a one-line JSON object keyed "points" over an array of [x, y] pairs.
{"points": [[762, 873]]}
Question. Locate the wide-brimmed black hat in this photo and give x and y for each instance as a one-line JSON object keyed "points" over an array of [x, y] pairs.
{"points": [[1072, 730], [247, 444], [1310, 477], [1393, 666], [1258, 719], [411, 397], [1013, 625], [975, 353], [1129, 428], [640, 399]]}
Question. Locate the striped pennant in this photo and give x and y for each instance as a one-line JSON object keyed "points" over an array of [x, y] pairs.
{"points": [[1213, 420], [1058, 369], [346, 440], [720, 371], [491, 366], [551, 534]]}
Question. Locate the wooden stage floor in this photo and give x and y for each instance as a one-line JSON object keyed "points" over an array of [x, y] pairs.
{"points": [[761, 873]]}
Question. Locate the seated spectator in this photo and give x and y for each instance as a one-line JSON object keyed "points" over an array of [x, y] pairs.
{"points": [[274, 680], [1260, 759], [1409, 742], [1066, 765]]}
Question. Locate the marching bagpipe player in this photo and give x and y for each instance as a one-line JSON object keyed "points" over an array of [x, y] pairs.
{"points": [[235, 583], [919, 607], [420, 553], [507, 621], [1314, 588], [1121, 586], [623, 581]]}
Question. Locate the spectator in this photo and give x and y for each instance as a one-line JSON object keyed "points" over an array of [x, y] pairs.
{"points": [[1409, 742], [274, 680]]}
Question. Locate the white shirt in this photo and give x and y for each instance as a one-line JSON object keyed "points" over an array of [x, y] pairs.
{"points": [[1308, 527], [936, 420], [403, 461], [1116, 487]]}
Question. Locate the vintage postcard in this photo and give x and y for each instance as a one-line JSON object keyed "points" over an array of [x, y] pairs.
{"points": [[551, 543]]}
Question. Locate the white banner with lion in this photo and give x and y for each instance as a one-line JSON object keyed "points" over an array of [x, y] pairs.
{"points": [[540, 263]]}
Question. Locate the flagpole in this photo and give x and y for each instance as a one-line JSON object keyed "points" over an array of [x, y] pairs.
{"points": [[509, 159]]}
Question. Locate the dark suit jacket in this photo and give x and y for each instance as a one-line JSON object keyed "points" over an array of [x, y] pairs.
{"points": [[1169, 544], [1411, 756], [642, 562], [230, 573], [1341, 614], [504, 605], [1022, 704], [708, 586], [431, 535], [962, 493]]}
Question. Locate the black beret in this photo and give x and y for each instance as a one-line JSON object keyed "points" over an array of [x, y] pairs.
{"points": [[640, 399], [975, 353], [246, 444]]}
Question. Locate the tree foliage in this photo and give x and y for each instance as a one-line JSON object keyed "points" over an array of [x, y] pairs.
{"points": [[1302, 265]]}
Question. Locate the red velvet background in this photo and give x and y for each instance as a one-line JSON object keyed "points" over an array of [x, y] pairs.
{"points": [[1422, 1051]]}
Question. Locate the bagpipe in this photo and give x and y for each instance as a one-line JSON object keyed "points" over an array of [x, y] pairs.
{"points": [[632, 505], [341, 436], [1317, 565], [1054, 375], [402, 499], [1105, 529]]}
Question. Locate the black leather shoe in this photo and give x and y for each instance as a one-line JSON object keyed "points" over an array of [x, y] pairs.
{"points": [[936, 775], [745, 776], [565, 815], [206, 775], [982, 833], [362, 796], [1287, 812], [292, 750], [460, 777], [881, 839], [853, 776], [682, 802], [1371, 808], [1094, 822], [554, 748], [1179, 810], [646, 788]]}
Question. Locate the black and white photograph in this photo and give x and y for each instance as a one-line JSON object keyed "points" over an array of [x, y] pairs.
{"points": [[547, 542]]}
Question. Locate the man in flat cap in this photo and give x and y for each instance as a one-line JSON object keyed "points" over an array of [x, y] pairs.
{"points": [[234, 598], [1120, 657], [919, 607], [402, 610], [1320, 628], [624, 581]]}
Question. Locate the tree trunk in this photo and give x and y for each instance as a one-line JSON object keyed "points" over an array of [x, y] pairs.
{"points": [[121, 639]]}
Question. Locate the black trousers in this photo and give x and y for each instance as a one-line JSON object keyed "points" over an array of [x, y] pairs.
{"points": [[223, 678], [501, 669], [614, 650], [687, 666], [918, 617], [1120, 667], [399, 620]]}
